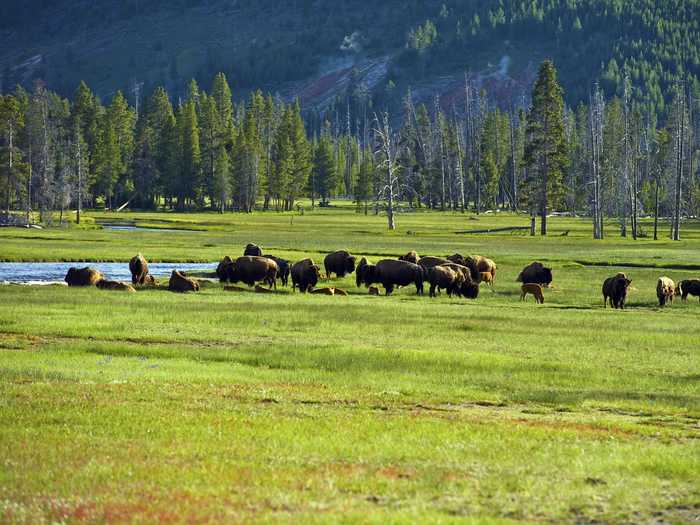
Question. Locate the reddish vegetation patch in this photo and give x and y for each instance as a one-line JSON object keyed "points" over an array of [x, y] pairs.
{"points": [[393, 472], [323, 84], [577, 427]]}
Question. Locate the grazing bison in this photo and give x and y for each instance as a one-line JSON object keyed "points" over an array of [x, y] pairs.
{"points": [[535, 272], [138, 266], [305, 275], [469, 262], [445, 277], [533, 289], [283, 268], [665, 289], [339, 263], [688, 287], [470, 287], [104, 284], [222, 268], [411, 257], [391, 273], [179, 282], [429, 261], [83, 276], [615, 289], [252, 269], [252, 250]]}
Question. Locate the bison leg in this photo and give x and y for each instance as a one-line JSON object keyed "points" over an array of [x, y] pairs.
{"points": [[431, 292], [389, 288]]}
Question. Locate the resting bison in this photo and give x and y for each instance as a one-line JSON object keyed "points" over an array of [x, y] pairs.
{"points": [[328, 290], [104, 284], [665, 289], [444, 277], [391, 273], [252, 269], [535, 272], [305, 275], [138, 266], [534, 289], [411, 257], [283, 268], [222, 268], [83, 276], [179, 282], [253, 250], [615, 289], [688, 287], [339, 263]]}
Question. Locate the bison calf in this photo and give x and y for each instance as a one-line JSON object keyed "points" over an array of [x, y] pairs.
{"points": [[533, 289]]}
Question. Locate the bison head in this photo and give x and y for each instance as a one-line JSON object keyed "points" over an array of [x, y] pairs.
{"points": [[350, 263], [70, 276], [547, 276], [469, 289]]}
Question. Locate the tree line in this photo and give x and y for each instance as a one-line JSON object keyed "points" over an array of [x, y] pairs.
{"points": [[609, 158]]}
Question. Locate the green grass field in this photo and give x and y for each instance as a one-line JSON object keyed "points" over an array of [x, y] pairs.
{"points": [[221, 406]]}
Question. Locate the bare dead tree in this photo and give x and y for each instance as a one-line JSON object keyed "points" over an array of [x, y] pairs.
{"points": [[596, 116], [680, 133], [386, 152]]}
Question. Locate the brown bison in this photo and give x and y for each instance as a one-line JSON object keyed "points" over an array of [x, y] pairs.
{"points": [[305, 275], [328, 290], [283, 268], [391, 273], [252, 269], [429, 261], [252, 250], [615, 289], [688, 287], [665, 289], [469, 288], [150, 281], [443, 277], [179, 282], [533, 289], [469, 262], [486, 277], [138, 266], [104, 284], [537, 273], [411, 257], [83, 276], [339, 263], [222, 268]]}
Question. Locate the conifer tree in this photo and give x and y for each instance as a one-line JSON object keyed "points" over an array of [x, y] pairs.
{"points": [[546, 149]]}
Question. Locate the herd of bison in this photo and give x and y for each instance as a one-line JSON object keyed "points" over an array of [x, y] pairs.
{"points": [[457, 275]]}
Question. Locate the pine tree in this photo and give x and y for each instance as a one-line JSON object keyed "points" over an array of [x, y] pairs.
{"points": [[324, 169], [546, 148]]}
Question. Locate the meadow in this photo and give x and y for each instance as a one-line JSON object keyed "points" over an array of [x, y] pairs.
{"points": [[220, 406]]}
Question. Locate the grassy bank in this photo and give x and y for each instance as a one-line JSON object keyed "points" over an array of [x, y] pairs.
{"points": [[224, 406]]}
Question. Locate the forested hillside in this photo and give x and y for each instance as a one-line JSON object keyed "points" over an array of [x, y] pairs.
{"points": [[306, 48]]}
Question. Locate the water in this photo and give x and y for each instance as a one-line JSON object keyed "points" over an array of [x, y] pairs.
{"points": [[54, 272], [128, 228]]}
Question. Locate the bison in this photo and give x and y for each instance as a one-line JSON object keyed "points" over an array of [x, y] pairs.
{"points": [[411, 257], [339, 263], [138, 266], [429, 261], [391, 273], [179, 282], [104, 284], [469, 262], [252, 250], [537, 273], [615, 290], [688, 287], [486, 277], [533, 289], [283, 268], [665, 289], [469, 287], [83, 276], [445, 277], [305, 275], [251, 269], [222, 268]]}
